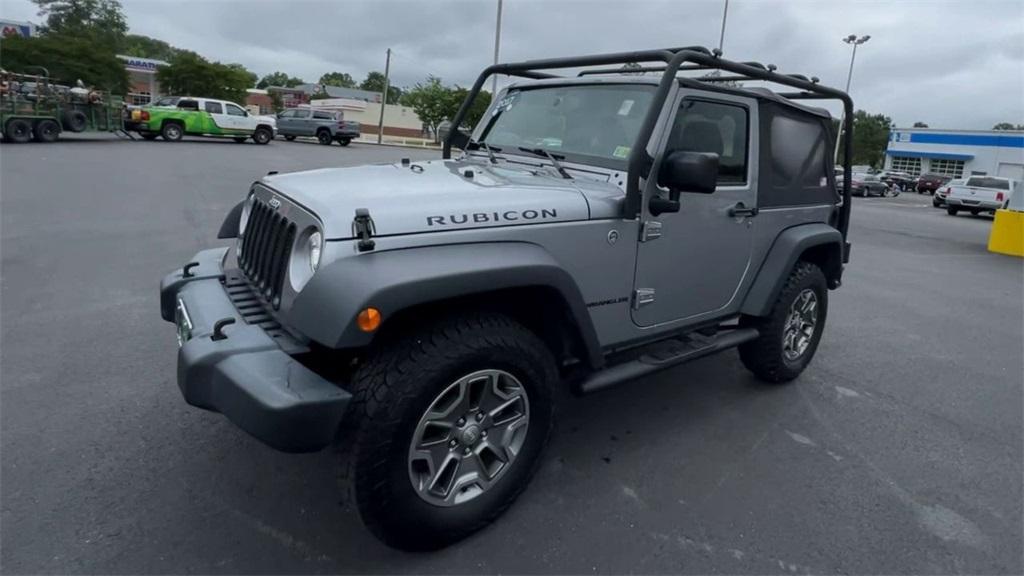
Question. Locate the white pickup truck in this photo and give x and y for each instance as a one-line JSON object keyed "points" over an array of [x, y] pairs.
{"points": [[979, 194]]}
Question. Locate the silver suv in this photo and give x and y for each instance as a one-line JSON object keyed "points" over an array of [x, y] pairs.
{"points": [[325, 125], [592, 230]]}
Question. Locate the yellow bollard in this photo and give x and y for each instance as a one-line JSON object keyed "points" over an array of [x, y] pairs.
{"points": [[1007, 235]]}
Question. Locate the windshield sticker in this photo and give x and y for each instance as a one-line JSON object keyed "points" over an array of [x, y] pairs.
{"points": [[621, 152], [627, 105], [551, 142], [504, 104]]}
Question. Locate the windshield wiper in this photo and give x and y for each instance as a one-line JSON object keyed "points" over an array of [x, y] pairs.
{"points": [[549, 156], [476, 145]]}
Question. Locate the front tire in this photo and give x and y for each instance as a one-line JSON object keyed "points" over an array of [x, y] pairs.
{"points": [[791, 332], [952, 211], [262, 135], [422, 467]]}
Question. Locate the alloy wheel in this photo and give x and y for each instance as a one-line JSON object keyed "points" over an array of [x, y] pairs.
{"points": [[800, 324]]}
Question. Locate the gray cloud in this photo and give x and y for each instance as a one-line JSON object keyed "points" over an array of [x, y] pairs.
{"points": [[950, 64]]}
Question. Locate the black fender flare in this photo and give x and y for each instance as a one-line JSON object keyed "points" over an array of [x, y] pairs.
{"points": [[788, 247], [232, 222], [395, 280]]}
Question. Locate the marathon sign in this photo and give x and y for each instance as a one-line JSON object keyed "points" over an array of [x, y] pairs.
{"points": [[15, 28], [138, 64]]}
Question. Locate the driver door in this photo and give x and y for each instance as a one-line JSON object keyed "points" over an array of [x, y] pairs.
{"points": [[691, 263]]}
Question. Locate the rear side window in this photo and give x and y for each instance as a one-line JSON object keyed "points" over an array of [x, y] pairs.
{"points": [[323, 115], [715, 127], [214, 107], [983, 182], [188, 105], [795, 156]]}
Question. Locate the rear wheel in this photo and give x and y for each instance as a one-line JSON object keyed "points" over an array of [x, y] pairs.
{"points": [[47, 131], [791, 332], [262, 135], [18, 130], [344, 141], [171, 131], [447, 426], [952, 211], [324, 137]]}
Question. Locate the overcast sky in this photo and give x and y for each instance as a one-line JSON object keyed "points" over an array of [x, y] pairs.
{"points": [[951, 64]]}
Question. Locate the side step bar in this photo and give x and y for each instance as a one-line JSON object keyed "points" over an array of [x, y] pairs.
{"points": [[666, 354]]}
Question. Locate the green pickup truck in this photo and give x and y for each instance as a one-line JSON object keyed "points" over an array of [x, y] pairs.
{"points": [[173, 117]]}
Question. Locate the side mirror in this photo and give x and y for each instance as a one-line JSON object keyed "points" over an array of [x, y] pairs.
{"points": [[695, 172]]}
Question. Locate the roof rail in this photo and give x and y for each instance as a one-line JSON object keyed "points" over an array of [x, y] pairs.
{"points": [[671, 61]]}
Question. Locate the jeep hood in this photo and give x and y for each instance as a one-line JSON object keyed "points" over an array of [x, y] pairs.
{"points": [[432, 196]]}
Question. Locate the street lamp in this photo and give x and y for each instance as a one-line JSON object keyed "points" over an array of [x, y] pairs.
{"points": [[851, 39]]}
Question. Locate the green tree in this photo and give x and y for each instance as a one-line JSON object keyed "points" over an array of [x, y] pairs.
{"points": [[275, 101], [870, 137], [67, 58], [189, 74], [342, 79], [920, 125], [146, 47], [279, 79], [98, 21], [431, 102], [476, 111], [1008, 126], [375, 83]]}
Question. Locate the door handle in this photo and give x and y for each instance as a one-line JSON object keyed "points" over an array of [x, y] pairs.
{"points": [[740, 209]]}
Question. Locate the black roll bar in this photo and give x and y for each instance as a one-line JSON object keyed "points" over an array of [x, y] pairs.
{"points": [[675, 59]]}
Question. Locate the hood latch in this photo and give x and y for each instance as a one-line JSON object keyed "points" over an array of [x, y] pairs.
{"points": [[363, 228]]}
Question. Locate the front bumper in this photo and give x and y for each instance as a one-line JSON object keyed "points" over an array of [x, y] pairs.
{"points": [[243, 372]]}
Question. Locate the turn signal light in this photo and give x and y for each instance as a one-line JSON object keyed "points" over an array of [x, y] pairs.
{"points": [[368, 319]]}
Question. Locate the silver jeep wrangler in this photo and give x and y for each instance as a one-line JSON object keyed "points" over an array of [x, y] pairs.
{"points": [[592, 230]]}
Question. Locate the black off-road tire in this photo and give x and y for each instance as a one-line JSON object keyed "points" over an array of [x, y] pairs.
{"points": [[951, 210], [18, 130], [764, 356], [47, 131], [392, 390], [262, 135], [172, 131], [75, 121], [324, 137], [344, 141]]}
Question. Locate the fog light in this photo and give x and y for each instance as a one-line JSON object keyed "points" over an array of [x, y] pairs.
{"points": [[368, 319]]}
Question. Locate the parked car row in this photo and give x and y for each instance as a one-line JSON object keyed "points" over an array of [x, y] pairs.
{"points": [[174, 117], [864, 184]]}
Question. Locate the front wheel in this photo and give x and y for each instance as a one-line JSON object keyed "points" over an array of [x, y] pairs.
{"points": [[791, 332], [262, 135], [447, 426], [952, 211]]}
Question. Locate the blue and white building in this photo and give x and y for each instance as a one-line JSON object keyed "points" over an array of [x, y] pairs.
{"points": [[956, 153]]}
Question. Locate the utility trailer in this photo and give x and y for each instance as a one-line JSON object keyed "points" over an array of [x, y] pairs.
{"points": [[34, 107]]}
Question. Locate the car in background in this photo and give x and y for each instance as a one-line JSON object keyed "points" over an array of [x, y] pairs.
{"points": [[896, 179], [979, 194], [865, 185], [173, 117], [930, 183], [325, 125], [939, 199]]}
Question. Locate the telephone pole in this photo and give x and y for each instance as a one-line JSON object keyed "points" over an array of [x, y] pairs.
{"points": [[384, 97], [497, 43]]}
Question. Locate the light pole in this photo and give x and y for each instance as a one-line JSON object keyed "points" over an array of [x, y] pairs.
{"points": [[497, 43], [851, 39], [725, 15]]}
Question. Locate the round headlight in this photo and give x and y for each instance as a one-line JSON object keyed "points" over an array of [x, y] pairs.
{"points": [[316, 242]]}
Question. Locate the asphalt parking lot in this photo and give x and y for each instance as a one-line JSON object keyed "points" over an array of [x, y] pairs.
{"points": [[898, 451]]}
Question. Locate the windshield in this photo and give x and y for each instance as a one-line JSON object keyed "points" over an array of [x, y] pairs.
{"points": [[595, 123]]}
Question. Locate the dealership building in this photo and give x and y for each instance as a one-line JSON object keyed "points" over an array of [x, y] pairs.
{"points": [[956, 153]]}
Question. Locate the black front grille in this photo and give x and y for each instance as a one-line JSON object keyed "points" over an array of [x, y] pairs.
{"points": [[266, 250]]}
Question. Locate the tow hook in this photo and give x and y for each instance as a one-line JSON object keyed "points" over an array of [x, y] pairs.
{"points": [[218, 328], [363, 228]]}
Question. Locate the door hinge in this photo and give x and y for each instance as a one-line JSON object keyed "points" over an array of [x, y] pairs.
{"points": [[642, 297], [650, 230]]}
